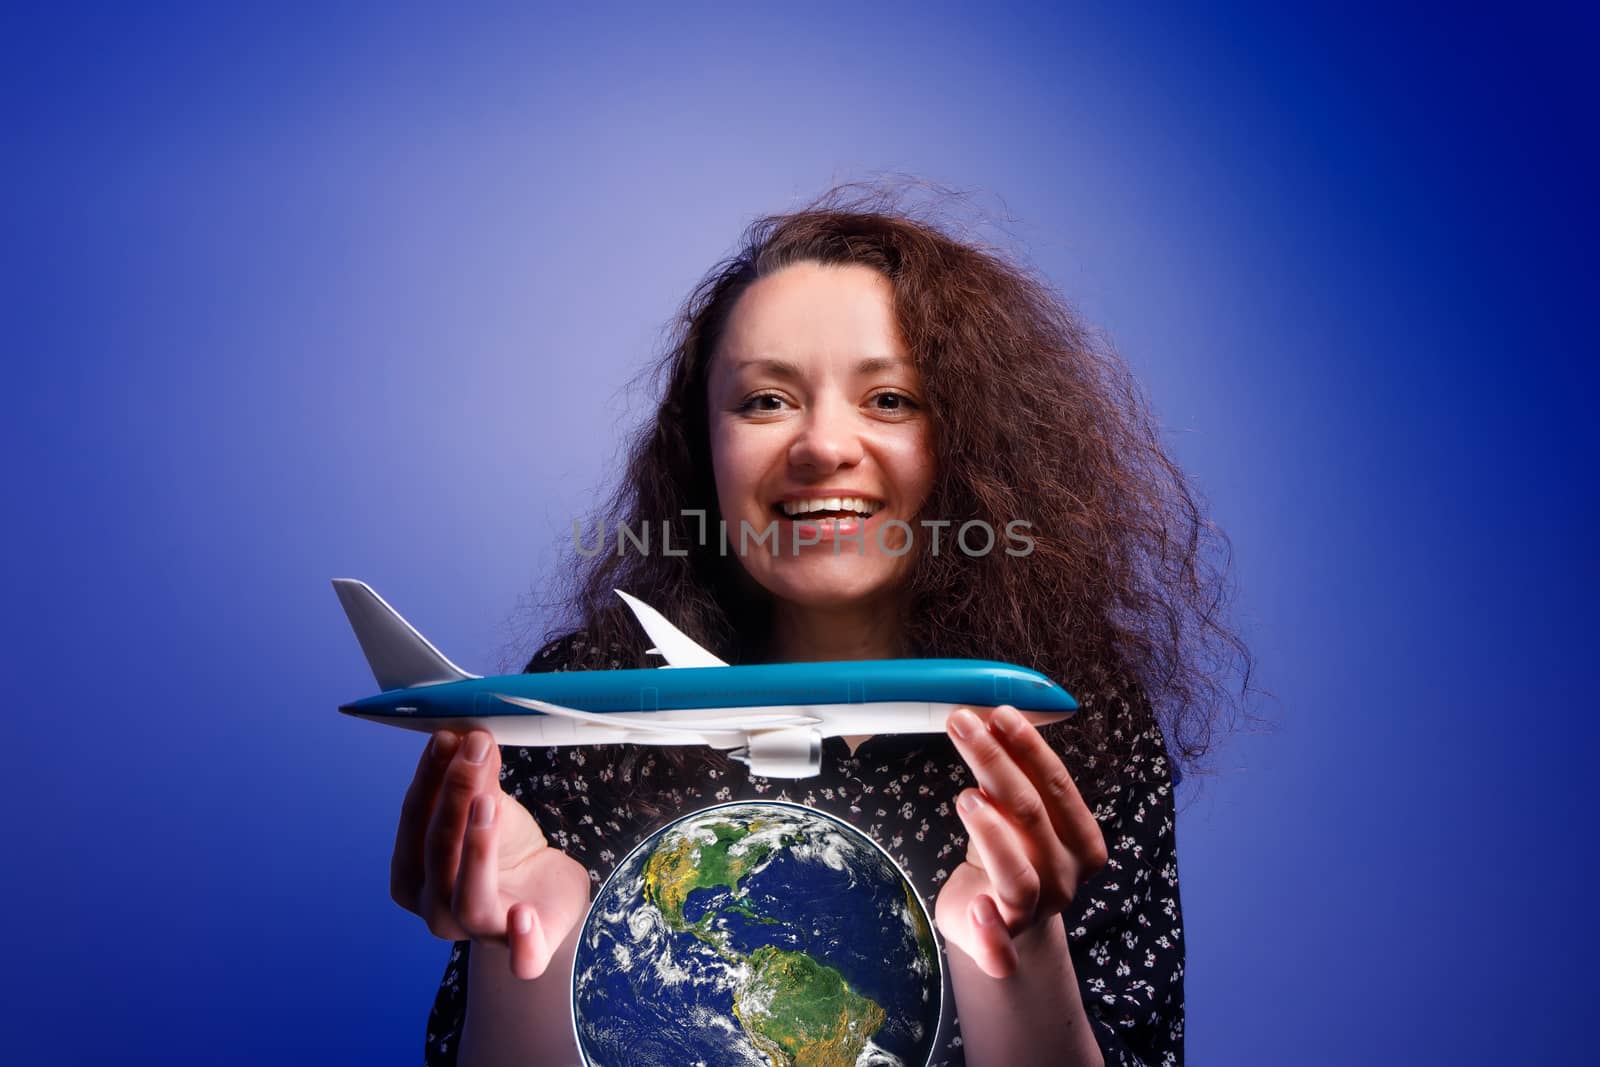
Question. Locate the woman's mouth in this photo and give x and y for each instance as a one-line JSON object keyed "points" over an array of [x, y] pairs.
{"points": [[823, 520], [819, 519], [830, 507]]}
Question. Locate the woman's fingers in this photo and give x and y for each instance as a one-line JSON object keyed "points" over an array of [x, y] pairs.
{"points": [[1013, 880], [998, 773], [405, 865], [1005, 782], [473, 769], [1072, 821], [559, 892], [476, 902], [1027, 780], [529, 904], [448, 867]]}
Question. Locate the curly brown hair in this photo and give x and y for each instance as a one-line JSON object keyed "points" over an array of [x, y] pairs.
{"points": [[1035, 418]]}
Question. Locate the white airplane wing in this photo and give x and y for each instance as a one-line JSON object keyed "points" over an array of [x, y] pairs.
{"points": [[671, 642]]}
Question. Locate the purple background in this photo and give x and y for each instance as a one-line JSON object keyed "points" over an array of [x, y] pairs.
{"points": [[291, 297]]}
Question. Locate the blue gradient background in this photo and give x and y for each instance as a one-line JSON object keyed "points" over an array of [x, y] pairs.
{"points": [[291, 297]]}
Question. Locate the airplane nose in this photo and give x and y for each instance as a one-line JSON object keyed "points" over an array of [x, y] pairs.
{"points": [[1049, 696]]}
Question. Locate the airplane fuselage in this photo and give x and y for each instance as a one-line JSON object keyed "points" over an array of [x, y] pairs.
{"points": [[772, 717], [849, 697]]}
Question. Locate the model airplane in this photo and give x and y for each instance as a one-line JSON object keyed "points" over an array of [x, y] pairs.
{"points": [[772, 717]]}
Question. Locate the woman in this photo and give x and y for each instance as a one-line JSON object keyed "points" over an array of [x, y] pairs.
{"points": [[854, 358]]}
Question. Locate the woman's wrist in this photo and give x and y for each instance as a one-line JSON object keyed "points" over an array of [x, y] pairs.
{"points": [[519, 1022], [1036, 1015], [1043, 945]]}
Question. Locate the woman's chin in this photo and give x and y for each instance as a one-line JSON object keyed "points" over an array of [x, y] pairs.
{"points": [[832, 584]]}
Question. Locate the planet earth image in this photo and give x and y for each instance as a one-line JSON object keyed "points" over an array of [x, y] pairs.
{"points": [[757, 933]]}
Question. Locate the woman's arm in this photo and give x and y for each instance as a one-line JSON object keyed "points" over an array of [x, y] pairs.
{"points": [[519, 1023], [1034, 1016]]}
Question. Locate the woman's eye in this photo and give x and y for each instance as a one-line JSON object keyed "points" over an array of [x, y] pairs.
{"points": [[893, 402], [762, 403]]}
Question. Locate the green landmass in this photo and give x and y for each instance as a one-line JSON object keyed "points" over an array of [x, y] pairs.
{"points": [[677, 869], [801, 1013]]}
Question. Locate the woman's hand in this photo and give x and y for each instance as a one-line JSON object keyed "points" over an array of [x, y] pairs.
{"points": [[472, 862], [1032, 841]]}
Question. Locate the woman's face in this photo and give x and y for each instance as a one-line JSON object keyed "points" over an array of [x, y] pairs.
{"points": [[814, 404]]}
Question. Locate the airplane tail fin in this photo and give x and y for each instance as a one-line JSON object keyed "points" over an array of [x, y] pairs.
{"points": [[399, 656]]}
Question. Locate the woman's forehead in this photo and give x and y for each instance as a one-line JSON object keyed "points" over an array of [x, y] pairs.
{"points": [[809, 320], [815, 307]]}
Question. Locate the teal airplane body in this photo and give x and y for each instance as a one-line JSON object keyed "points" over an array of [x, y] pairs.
{"points": [[771, 716]]}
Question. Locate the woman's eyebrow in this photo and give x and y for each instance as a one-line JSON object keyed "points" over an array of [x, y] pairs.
{"points": [[782, 368]]}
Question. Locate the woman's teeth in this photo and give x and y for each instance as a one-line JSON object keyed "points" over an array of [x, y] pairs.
{"points": [[853, 505]]}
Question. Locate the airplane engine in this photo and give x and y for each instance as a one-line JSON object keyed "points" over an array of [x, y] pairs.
{"points": [[791, 753]]}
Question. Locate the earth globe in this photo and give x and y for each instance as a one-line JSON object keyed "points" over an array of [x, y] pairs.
{"points": [[759, 933]]}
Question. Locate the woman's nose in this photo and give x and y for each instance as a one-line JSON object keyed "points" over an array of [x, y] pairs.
{"points": [[828, 439]]}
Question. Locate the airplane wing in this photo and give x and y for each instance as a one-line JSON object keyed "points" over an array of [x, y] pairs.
{"points": [[672, 643], [732, 725]]}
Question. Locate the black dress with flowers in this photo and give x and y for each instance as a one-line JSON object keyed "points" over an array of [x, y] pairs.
{"points": [[1124, 927]]}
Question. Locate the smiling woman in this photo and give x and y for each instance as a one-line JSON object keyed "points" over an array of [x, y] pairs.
{"points": [[852, 375]]}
